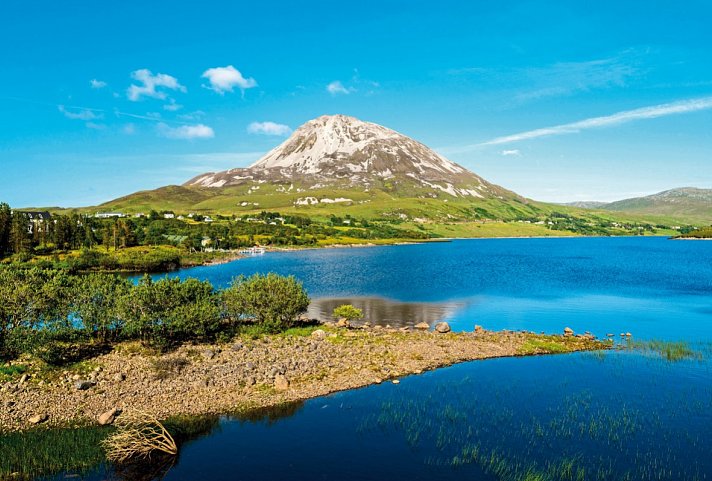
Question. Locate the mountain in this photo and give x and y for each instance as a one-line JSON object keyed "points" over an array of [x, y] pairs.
{"points": [[586, 204], [342, 151], [685, 203]]}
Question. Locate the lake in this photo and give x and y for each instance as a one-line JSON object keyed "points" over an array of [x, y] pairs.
{"points": [[587, 416], [650, 286]]}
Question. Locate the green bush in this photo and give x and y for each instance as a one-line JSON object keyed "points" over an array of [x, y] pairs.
{"points": [[271, 300], [348, 312], [168, 310]]}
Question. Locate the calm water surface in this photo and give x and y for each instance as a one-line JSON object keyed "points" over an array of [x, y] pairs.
{"points": [[589, 416], [652, 286]]}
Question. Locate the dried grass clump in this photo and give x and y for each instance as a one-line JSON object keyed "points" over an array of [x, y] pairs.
{"points": [[138, 435]]}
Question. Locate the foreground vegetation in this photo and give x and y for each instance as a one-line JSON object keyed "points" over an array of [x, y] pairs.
{"points": [[61, 318]]}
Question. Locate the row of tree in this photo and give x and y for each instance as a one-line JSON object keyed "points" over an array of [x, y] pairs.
{"points": [[44, 311]]}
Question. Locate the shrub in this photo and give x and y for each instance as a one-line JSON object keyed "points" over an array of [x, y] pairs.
{"points": [[95, 303], [348, 312], [272, 300], [168, 310]]}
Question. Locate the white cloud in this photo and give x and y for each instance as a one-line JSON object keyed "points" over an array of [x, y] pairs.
{"points": [[336, 88], [97, 84], [268, 128], [129, 129], [225, 79], [95, 126], [515, 152], [172, 106], [149, 85], [655, 111], [80, 113], [198, 131]]}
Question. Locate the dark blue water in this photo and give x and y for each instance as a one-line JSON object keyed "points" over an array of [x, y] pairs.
{"points": [[590, 416], [650, 286]]}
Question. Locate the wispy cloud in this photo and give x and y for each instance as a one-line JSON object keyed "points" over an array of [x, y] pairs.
{"points": [[561, 78], [187, 132], [97, 84], [336, 88], [512, 152], [78, 113], [225, 79], [151, 85], [268, 128], [655, 111]]}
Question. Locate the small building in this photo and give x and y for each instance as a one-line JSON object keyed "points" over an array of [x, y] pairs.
{"points": [[108, 215], [36, 219], [169, 215]]}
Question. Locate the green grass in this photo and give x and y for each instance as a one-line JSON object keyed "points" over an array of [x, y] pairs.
{"points": [[42, 452], [14, 370], [547, 345], [668, 350]]}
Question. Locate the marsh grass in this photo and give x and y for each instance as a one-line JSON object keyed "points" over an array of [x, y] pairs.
{"points": [[42, 452], [669, 350]]}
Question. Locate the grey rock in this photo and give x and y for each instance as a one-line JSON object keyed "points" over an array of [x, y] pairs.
{"points": [[83, 384], [119, 376], [568, 332], [424, 326], [208, 354], [442, 327]]}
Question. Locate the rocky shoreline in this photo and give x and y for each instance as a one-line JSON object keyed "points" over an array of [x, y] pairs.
{"points": [[251, 373]]}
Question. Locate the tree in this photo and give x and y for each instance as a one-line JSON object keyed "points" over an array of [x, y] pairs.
{"points": [[348, 312], [271, 300], [5, 223], [168, 310], [95, 302], [20, 238]]}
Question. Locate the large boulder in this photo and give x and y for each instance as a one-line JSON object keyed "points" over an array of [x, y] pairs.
{"points": [[568, 332], [442, 327]]}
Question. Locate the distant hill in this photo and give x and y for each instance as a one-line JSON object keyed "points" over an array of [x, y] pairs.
{"points": [[586, 204], [688, 203]]}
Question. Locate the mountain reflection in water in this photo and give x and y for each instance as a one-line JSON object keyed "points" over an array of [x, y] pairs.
{"points": [[380, 311]]}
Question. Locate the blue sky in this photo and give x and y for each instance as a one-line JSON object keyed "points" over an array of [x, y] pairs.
{"points": [[556, 100]]}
